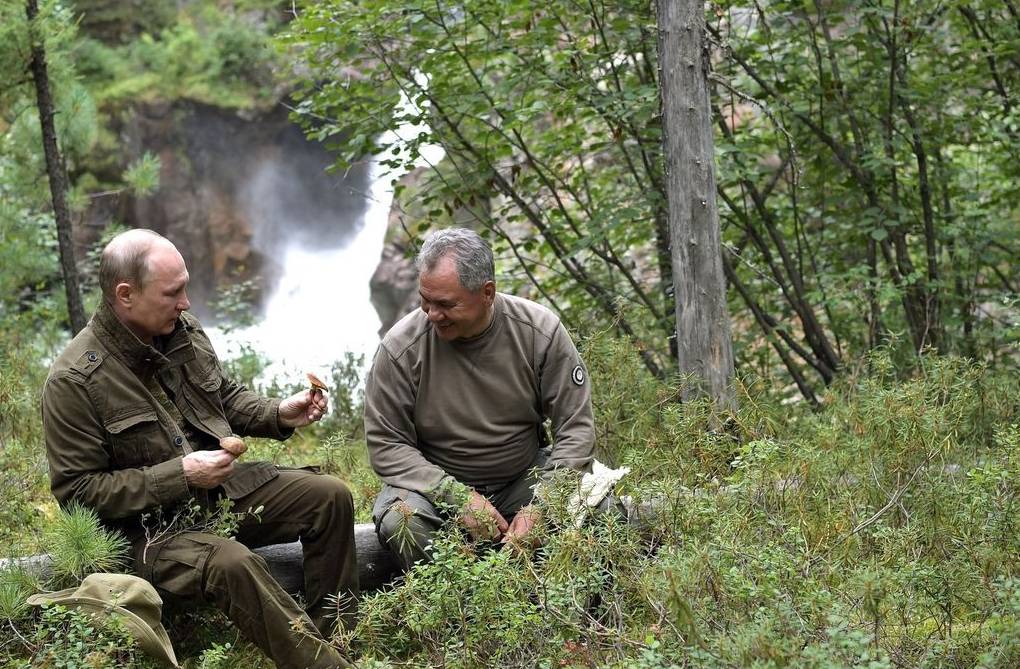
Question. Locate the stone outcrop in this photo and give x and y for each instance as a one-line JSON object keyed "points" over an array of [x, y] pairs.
{"points": [[233, 192], [394, 285]]}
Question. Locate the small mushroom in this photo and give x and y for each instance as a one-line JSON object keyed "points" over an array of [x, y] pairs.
{"points": [[233, 445], [316, 382]]}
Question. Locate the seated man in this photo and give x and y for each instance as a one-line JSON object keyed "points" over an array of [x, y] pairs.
{"points": [[133, 413], [459, 391]]}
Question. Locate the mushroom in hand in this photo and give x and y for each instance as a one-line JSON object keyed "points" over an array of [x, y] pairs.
{"points": [[316, 382], [233, 445]]}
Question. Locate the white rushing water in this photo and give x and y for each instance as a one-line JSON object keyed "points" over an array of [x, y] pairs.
{"points": [[321, 309]]}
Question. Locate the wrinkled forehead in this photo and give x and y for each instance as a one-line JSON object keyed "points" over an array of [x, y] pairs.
{"points": [[442, 275]]}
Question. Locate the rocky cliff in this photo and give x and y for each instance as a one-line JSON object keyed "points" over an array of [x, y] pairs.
{"points": [[234, 191]]}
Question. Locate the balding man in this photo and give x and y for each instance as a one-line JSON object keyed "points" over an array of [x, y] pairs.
{"points": [[458, 395], [134, 411]]}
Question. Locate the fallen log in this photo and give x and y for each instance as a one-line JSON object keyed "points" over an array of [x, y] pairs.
{"points": [[377, 566]]}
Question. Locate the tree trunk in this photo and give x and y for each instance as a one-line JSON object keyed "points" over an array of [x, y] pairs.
{"points": [[55, 171], [702, 318]]}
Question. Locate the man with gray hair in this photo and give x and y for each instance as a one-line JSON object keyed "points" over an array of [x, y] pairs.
{"points": [[458, 394], [140, 421]]}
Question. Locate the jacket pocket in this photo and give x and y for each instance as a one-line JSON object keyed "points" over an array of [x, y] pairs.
{"points": [[249, 477], [134, 437], [211, 381]]}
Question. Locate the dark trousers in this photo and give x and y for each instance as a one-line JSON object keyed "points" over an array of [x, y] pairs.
{"points": [[298, 504], [405, 520]]}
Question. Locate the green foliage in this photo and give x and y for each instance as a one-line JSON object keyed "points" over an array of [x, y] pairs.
{"points": [[31, 280], [23, 483], [462, 607], [204, 637], [220, 519], [142, 176], [891, 146], [348, 460], [28, 248], [234, 305], [24, 486], [1005, 627], [346, 397], [877, 532], [207, 54], [547, 120], [16, 586], [215, 657], [246, 366], [75, 639], [80, 545], [863, 160]]}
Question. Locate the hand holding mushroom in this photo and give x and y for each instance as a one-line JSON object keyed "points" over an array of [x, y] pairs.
{"points": [[233, 445], [305, 407]]}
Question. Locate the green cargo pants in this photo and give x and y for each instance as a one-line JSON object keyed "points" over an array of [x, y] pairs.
{"points": [[298, 504]]}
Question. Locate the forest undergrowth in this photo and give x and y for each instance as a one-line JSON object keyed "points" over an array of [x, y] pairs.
{"points": [[876, 531]]}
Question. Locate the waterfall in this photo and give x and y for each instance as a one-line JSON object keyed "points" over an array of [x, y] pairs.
{"points": [[320, 309]]}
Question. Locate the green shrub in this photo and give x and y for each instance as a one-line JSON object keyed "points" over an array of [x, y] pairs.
{"points": [[876, 531], [74, 639], [80, 545], [16, 586]]}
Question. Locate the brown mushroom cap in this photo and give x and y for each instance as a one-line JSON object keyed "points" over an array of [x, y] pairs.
{"points": [[233, 445], [316, 382]]}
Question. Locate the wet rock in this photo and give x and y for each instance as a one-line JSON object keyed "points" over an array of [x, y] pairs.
{"points": [[394, 285], [235, 190]]}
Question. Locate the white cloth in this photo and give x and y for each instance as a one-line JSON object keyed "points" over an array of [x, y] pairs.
{"points": [[595, 485]]}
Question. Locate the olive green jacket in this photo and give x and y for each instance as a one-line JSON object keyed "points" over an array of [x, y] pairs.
{"points": [[113, 447]]}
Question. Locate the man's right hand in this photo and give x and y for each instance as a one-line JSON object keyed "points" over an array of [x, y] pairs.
{"points": [[482, 519], [207, 469]]}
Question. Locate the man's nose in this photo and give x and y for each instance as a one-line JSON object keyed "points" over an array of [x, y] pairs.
{"points": [[435, 315], [185, 303]]}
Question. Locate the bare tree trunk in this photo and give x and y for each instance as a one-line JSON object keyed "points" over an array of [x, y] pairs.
{"points": [[702, 318], [55, 171]]}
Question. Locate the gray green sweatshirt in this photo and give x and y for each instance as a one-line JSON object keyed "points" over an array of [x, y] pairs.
{"points": [[472, 409]]}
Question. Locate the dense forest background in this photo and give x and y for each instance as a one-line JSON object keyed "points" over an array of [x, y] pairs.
{"points": [[855, 508]]}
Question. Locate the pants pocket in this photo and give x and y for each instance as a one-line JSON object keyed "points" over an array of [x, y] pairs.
{"points": [[177, 565]]}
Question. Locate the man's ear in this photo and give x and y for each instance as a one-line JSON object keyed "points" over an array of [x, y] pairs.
{"points": [[489, 291], [123, 294]]}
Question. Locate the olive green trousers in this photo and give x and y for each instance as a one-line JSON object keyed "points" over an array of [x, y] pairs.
{"points": [[297, 505]]}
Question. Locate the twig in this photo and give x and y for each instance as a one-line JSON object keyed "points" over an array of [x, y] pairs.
{"points": [[893, 501], [23, 640]]}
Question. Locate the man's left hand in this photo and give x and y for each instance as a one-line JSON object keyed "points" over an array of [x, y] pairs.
{"points": [[303, 408], [521, 526]]}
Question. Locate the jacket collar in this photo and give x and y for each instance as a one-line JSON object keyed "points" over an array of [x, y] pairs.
{"points": [[169, 351]]}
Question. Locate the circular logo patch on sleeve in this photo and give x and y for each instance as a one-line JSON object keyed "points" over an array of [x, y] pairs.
{"points": [[577, 376]]}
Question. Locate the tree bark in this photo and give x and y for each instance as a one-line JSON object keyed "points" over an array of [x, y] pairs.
{"points": [[55, 171], [703, 325]]}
